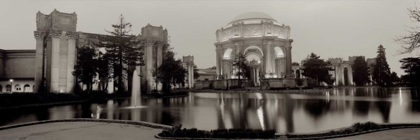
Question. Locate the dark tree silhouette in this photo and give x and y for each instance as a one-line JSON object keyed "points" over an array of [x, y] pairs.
{"points": [[122, 50], [170, 72], [240, 63], [411, 67], [381, 72], [360, 72], [86, 67], [317, 69]]}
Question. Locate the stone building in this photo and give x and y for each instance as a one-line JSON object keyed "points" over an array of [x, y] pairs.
{"points": [[188, 63], [258, 37], [21, 70], [17, 71]]}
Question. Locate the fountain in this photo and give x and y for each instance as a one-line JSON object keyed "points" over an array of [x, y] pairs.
{"points": [[135, 91]]}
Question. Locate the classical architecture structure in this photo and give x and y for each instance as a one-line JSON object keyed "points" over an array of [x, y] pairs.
{"points": [[57, 40], [188, 63], [262, 40], [343, 71], [17, 70]]}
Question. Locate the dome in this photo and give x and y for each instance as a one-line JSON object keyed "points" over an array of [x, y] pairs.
{"points": [[252, 17]]}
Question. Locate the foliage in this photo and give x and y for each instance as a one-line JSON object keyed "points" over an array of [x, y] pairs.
{"points": [[86, 67], [411, 42], [317, 69], [122, 50], [394, 78], [196, 75], [170, 71], [240, 63], [381, 72], [219, 133], [360, 72], [411, 66], [295, 64]]}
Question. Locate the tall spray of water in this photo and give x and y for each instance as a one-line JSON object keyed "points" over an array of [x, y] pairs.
{"points": [[135, 91]]}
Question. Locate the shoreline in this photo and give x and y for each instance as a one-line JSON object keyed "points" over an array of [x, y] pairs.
{"points": [[328, 134]]}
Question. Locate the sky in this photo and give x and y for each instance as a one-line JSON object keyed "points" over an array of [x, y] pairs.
{"points": [[328, 28]]}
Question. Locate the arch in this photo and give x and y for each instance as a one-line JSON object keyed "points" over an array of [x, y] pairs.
{"points": [[8, 88], [254, 47], [227, 54], [279, 52], [26, 88], [297, 73], [346, 76], [18, 88]]}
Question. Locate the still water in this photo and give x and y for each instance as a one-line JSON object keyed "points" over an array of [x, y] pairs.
{"points": [[284, 112]]}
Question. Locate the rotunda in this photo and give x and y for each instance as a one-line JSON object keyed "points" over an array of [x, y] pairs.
{"points": [[262, 40]]}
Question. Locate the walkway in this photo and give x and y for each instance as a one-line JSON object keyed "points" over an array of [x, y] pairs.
{"points": [[396, 134], [80, 131]]}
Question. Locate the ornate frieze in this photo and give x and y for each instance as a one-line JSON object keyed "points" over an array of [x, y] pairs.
{"points": [[55, 33], [39, 34], [72, 35]]}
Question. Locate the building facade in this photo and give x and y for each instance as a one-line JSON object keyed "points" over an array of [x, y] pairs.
{"points": [[261, 39], [57, 40]]}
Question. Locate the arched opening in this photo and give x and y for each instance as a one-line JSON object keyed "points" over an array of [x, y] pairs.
{"points": [[297, 73], [8, 88], [279, 52], [346, 76], [254, 48], [227, 54], [18, 88], [27, 88], [254, 57]]}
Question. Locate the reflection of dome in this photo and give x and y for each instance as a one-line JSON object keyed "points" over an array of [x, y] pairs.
{"points": [[252, 17]]}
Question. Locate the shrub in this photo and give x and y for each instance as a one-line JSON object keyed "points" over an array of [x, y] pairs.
{"points": [[218, 133]]}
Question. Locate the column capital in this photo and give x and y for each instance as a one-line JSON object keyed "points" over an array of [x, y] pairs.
{"points": [[39, 34], [55, 33], [72, 35]]}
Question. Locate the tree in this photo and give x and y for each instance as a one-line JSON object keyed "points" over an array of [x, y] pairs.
{"points": [[411, 66], [381, 72], [411, 42], [241, 65], [394, 78], [86, 66], [360, 72], [103, 70], [317, 69], [196, 75], [122, 50], [170, 72]]}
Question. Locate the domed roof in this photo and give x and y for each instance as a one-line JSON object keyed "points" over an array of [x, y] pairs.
{"points": [[252, 17]]}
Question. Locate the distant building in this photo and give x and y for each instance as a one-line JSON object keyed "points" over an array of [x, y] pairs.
{"points": [[17, 71], [206, 74]]}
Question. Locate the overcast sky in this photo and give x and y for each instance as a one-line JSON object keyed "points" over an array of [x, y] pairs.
{"points": [[327, 28]]}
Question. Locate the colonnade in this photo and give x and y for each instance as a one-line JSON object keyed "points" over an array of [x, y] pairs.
{"points": [[59, 61]]}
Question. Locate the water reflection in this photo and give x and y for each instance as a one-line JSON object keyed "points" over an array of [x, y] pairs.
{"points": [[307, 112]]}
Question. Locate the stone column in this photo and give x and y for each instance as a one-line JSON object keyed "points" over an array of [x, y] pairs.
{"points": [[159, 55], [55, 52], [289, 73], [71, 58], [149, 65], [267, 58], [217, 61], [39, 36]]}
